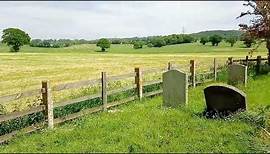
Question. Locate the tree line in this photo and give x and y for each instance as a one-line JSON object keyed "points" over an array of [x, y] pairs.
{"points": [[247, 39], [160, 41], [60, 43], [15, 38]]}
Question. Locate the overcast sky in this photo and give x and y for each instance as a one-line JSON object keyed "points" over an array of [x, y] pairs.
{"points": [[91, 20]]}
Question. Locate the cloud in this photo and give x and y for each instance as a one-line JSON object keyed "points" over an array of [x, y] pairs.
{"points": [[91, 20]]}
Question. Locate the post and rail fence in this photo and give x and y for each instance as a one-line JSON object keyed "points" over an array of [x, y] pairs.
{"points": [[258, 61], [47, 104]]}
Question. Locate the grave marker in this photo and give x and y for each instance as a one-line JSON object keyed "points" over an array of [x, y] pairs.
{"points": [[237, 74], [175, 88], [224, 98]]}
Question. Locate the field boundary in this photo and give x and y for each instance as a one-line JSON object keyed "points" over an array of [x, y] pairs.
{"points": [[47, 105]]}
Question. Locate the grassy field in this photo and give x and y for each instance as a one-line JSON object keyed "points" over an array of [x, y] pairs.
{"points": [[25, 70], [146, 126]]}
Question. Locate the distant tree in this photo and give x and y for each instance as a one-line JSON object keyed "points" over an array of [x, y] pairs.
{"points": [[15, 38], [138, 44], [103, 44], [204, 40], [36, 43], [158, 42], [116, 41], [231, 40], [260, 24], [215, 39], [248, 40], [180, 39], [188, 39], [149, 45]]}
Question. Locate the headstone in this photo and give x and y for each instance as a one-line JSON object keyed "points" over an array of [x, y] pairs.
{"points": [[224, 98], [237, 74], [175, 88]]}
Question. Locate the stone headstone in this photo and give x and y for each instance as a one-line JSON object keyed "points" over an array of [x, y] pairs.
{"points": [[223, 98], [175, 88], [237, 74]]}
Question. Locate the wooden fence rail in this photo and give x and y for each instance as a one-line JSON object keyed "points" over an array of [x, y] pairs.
{"points": [[258, 60], [47, 105]]}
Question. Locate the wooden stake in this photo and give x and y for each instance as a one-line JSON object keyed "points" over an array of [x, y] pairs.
{"points": [[268, 57], [139, 83], [230, 60], [169, 66], [215, 69], [193, 74], [104, 90], [258, 65], [246, 60], [47, 101]]}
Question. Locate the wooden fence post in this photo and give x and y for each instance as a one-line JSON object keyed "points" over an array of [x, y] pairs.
{"points": [[230, 60], [104, 90], [139, 83], [193, 74], [268, 58], [247, 61], [169, 66], [215, 69], [47, 101], [258, 65]]}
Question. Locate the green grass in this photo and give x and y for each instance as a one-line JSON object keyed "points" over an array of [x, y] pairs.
{"points": [[146, 126], [25, 70], [223, 48]]}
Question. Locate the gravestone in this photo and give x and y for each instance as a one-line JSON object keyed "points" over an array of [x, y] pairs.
{"points": [[237, 74], [175, 88], [224, 99]]}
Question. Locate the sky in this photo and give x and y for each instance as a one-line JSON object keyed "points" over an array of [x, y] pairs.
{"points": [[96, 19]]}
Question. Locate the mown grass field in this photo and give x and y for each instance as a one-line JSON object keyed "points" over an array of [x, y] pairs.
{"points": [[26, 69], [146, 126]]}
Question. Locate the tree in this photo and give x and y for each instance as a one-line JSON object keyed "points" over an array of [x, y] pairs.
{"points": [[15, 38], [117, 41], [188, 39], [138, 44], [204, 40], [158, 42], [103, 44], [215, 39], [149, 45], [248, 40], [231, 40], [260, 24]]}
